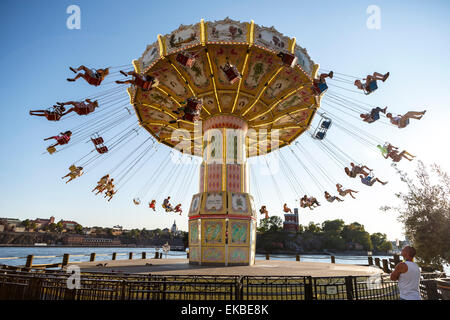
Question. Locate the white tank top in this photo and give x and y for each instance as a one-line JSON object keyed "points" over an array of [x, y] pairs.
{"points": [[408, 282]]}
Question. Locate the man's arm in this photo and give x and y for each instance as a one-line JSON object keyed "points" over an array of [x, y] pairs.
{"points": [[399, 268]]}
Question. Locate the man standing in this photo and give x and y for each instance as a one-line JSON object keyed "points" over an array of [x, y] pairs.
{"points": [[408, 275]]}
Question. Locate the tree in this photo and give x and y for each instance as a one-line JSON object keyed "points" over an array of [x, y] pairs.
{"points": [[425, 214], [52, 227], [332, 238], [313, 227], [356, 233], [273, 223], [335, 226], [380, 242], [59, 227], [79, 229], [26, 223]]}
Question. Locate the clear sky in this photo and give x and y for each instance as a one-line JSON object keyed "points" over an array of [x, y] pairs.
{"points": [[37, 48]]}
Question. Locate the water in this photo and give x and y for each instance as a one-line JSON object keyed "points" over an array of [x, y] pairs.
{"points": [[122, 254]]}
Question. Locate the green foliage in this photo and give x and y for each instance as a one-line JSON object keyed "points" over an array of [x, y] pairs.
{"points": [[380, 242], [272, 223], [335, 226], [355, 233], [79, 229], [425, 214]]}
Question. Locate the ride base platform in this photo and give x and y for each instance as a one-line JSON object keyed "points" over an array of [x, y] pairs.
{"points": [[260, 268]]}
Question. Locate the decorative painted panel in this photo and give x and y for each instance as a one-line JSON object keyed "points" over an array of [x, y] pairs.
{"points": [[213, 254], [227, 30], [213, 231], [214, 203], [239, 232], [194, 253], [194, 236], [238, 255]]}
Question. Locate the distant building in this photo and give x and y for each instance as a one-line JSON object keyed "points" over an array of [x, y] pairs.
{"points": [[43, 222], [174, 230], [69, 225], [10, 224], [17, 228], [79, 240], [116, 231], [291, 221]]}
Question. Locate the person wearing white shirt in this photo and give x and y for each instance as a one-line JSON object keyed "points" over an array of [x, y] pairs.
{"points": [[407, 274]]}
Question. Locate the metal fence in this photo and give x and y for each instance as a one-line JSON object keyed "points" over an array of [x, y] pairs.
{"points": [[24, 285]]}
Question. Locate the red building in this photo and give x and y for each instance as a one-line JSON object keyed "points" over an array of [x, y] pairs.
{"points": [[291, 221], [44, 222]]}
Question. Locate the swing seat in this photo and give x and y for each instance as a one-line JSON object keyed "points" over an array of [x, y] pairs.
{"points": [[52, 116], [94, 80], [232, 74], [326, 124], [102, 149], [137, 201], [144, 85], [51, 150], [321, 87], [288, 59], [194, 104], [185, 59], [376, 116], [371, 87], [97, 141], [320, 135], [63, 140]]}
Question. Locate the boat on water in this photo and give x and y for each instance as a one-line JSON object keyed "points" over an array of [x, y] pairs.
{"points": [[40, 244]]}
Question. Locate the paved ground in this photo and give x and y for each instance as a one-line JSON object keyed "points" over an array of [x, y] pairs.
{"points": [[261, 268]]}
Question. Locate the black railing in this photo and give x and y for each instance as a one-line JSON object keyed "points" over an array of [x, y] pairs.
{"points": [[22, 285]]}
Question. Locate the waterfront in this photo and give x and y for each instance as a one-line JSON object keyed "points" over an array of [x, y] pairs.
{"points": [[77, 254]]}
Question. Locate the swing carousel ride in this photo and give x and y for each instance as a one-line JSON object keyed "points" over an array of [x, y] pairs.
{"points": [[223, 92]]}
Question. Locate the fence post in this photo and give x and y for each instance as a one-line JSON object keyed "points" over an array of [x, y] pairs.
{"points": [[114, 256], [267, 256], [370, 260], [156, 255], [297, 257], [92, 256], [239, 288], [308, 288], [144, 255], [386, 266], [130, 256], [34, 289], [29, 262], [349, 287], [65, 260], [333, 260], [160, 255], [377, 262], [396, 259]]}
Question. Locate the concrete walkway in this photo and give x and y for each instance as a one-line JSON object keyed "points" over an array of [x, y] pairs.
{"points": [[261, 268]]}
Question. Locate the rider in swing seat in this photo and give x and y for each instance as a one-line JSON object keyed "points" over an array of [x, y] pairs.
{"points": [[371, 82], [92, 76]]}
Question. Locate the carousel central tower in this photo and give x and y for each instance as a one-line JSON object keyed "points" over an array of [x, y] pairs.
{"points": [[249, 79]]}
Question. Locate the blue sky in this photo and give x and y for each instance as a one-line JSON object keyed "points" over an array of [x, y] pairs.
{"points": [[37, 49]]}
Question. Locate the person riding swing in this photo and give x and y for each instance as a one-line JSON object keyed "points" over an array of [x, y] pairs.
{"points": [[143, 81], [371, 82], [92, 76], [331, 199], [51, 114], [80, 107]]}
